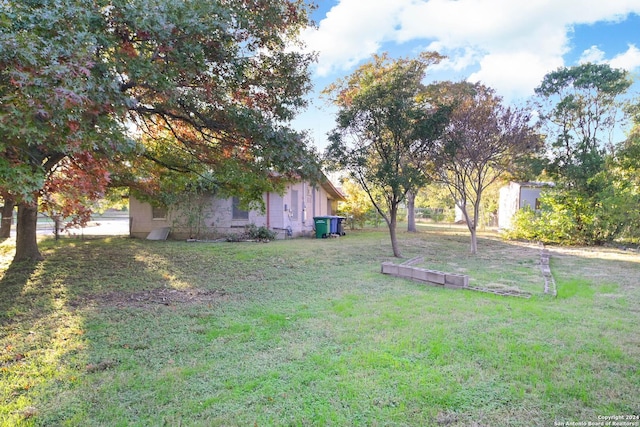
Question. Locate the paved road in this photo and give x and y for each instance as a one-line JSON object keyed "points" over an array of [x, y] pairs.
{"points": [[108, 226]]}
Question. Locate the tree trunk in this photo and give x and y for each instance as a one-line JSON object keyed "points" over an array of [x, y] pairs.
{"points": [[474, 241], [471, 225], [411, 212], [7, 217], [26, 238], [393, 220]]}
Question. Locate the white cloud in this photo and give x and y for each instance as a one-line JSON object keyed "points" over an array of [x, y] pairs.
{"points": [[487, 23], [352, 31], [456, 60], [514, 43], [629, 60], [515, 74], [593, 54]]}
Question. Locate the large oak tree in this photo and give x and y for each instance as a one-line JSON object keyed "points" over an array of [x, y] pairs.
{"points": [[211, 84]]}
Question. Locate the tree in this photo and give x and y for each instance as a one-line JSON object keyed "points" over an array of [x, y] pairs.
{"points": [[614, 208], [411, 212], [436, 199], [627, 185], [8, 206], [357, 206], [81, 81], [483, 141], [580, 109], [612, 213], [385, 127]]}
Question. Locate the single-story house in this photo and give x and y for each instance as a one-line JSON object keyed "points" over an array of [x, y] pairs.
{"points": [[289, 215], [517, 195]]}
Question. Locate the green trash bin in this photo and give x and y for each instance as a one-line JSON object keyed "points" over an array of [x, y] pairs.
{"points": [[322, 224]]}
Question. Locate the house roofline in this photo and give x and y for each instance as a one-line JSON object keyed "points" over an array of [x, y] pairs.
{"points": [[331, 189], [324, 182]]}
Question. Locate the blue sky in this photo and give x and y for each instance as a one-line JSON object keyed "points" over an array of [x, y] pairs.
{"points": [[508, 45]]}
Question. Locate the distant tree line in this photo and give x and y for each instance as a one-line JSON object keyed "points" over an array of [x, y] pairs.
{"points": [[596, 197], [166, 100], [394, 135]]}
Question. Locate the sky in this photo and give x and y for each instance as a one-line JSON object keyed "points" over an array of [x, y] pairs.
{"points": [[509, 45]]}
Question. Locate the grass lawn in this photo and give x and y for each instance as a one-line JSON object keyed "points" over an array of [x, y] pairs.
{"points": [[123, 332]]}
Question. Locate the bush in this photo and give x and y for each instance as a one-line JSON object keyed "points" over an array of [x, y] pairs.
{"points": [[523, 225], [253, 232], [565, 218], [260, 233]]}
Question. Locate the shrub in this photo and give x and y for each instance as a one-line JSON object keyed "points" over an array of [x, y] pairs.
{"points": [[260, 233], [564, 219], [253, 232]]}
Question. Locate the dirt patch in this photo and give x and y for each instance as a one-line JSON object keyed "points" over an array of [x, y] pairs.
{"points": [[162, 296]]}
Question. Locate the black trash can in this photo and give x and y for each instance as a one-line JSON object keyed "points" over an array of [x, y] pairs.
{"points": [[340, 227]]}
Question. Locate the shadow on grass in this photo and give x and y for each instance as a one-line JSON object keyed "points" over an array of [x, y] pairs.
{"points": [[44, 310], [77, 356], [12, 284]]}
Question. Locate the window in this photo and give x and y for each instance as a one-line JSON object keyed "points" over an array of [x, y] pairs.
{"points": [[158, 212], [238, 213], [294, 205]]}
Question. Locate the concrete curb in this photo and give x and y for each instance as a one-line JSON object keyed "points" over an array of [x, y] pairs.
{"points": [[446, 280], [549, 281], [423, 275]]}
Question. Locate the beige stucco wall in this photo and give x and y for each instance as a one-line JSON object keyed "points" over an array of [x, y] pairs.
{"points": [[141, 219], [211, 217], [312, 201]]}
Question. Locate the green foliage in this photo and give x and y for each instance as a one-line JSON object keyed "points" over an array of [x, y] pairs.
{"points": [[436, 214], [595, 200], [489, 205], [482, 142], [140, 92], [260, 233], [57, 100], [358, 206], [386, 126], [622, 197], [308, 332], [20, 178], [253, 232], [568, 218], [435, 195], [546, 226], [579, 108], [435, 202]]}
